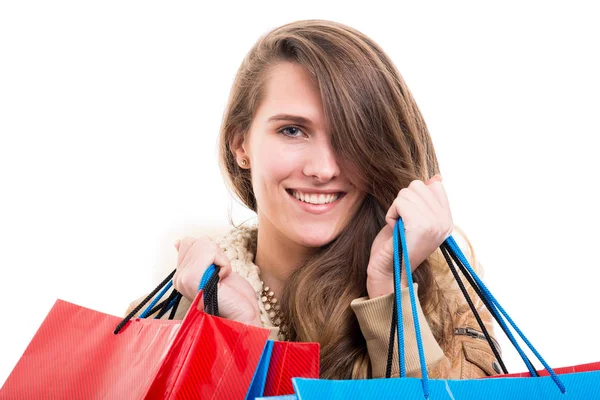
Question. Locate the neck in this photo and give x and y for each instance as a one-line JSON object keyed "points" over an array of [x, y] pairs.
{"points": [[276, 256]]}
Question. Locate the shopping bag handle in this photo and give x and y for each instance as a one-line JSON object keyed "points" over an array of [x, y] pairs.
{"points": [[448, 249], [487, 336], [449, 255], [493, 305], [208, 285], [449, 246]]}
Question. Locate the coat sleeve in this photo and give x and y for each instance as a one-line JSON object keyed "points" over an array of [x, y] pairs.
{"points": [[464, 357], [375, 318]]}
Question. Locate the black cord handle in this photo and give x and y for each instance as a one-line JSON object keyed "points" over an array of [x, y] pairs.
{"points": [[450, 256], [211, 305], [143, 302], [461, 285]]}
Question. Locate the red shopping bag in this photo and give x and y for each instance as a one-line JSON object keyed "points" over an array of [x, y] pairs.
{"points": [[75, 355], [291, 360]]}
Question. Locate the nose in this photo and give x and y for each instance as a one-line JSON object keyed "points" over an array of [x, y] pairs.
{"points": [[321, 162]]}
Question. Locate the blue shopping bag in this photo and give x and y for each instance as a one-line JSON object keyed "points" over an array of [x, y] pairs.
{"points": [[257, 386], [579, 385]]}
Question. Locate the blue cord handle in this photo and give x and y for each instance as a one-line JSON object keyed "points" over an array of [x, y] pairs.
{"points": [[161, 294], [205, 278], [397, 288], [492, 300], [399, 232], [493, 304]]}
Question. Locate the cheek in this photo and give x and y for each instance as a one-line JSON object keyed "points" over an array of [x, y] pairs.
{"points": [[273, 165], [274, 169], [269, 175]]}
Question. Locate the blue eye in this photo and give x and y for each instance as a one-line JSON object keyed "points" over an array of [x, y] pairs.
{"points": [[293, 131]]}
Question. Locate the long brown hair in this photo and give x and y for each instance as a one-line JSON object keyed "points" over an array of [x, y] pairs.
{"points": [[375, 122]]}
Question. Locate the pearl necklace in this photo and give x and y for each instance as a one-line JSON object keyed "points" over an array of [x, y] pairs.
{"points": [[273, 310]]}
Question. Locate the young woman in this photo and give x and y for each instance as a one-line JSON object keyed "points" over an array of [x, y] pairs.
{"points": [[323, 140]]}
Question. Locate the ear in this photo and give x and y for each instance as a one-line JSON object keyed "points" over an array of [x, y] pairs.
{"points": [[238, 146]]}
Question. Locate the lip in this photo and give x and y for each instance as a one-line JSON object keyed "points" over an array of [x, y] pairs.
{"points": [[316, 208], [316, 191]]}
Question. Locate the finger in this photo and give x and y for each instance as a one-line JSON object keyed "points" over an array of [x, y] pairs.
{"points": [[224, 264], [438, 190], [184, 246], [427, 196], [424, 212], [435, 178], [405, 204], [393, 213]]}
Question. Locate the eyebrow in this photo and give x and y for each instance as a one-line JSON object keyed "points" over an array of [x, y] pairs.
{"points": [[289, 117]]}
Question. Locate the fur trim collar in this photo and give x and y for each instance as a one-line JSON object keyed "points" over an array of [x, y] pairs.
{"points": [[239, 245]]}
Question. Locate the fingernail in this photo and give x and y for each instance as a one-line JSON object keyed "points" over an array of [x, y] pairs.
{"points": [[176, 244]]}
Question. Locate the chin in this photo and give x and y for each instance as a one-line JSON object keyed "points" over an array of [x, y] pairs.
{"points": [[311, 236]]}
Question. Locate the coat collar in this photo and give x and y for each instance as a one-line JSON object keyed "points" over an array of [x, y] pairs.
{"points": [[239, 245]]}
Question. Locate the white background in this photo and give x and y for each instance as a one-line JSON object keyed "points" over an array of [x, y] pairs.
{"points": [[109, 117]]}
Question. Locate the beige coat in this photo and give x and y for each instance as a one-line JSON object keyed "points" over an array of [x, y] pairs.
{"points": [[466, 356]]}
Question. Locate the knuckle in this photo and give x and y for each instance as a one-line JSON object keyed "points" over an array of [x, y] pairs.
{"points": [[397, 204], [218, 252], [448, 228], [203, 241], [426, 227], [415, 183], [203, 244], [432, 229], [403, 193], [186, 242], [206, 239]]}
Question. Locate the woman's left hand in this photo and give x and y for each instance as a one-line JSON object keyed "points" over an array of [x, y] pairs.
{"points": [[428, 223]]}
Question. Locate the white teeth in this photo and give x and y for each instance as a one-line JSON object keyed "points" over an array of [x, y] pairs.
{"points": [[314, 198]]}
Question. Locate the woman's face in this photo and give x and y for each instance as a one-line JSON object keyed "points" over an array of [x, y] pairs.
{"points": [[300, 188]]}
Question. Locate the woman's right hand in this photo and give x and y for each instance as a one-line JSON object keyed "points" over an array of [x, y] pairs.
{"points": [[237, 299]]}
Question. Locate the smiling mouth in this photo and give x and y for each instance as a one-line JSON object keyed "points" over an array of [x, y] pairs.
{"points": [[316, 199]]}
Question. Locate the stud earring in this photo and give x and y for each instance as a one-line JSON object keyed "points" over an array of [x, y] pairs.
{"points": [[244, 162]]}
